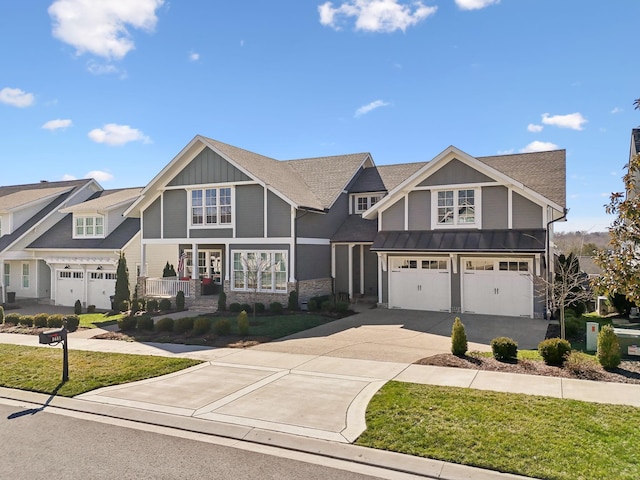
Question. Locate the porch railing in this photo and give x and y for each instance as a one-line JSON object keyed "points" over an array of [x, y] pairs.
{"points": [[167, 287]]}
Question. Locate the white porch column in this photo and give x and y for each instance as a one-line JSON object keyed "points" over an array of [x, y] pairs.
{"points": [[292, 248], [361, 269], [350, 247], [380, 266], [195, 275], [227, 262], [333, 261], [143, 259], [3, 293]]}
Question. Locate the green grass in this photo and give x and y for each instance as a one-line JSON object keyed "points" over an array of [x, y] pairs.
{"points": [[39, 369], [94, 320], [278, 326], [526, 435]]}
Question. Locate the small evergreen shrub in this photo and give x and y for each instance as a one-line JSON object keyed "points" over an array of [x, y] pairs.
{"points": [[40, 320], [183, 325], [260, 308], [342, 307], [164, 325], [293, 301], [504, 348], [77, 307], [312, 305], [12, 318], [152, 305], [246, 307], [1, 314], [243, 323], [222, 301], [145, 323], [26, 320], [137, 305], [608, 348], [325, 306], [91, 309], [180, 300], [235, 307], [459, 345], [124, 306], [554, 351], [582, 365], [572, 326], [164, 305], [128, 323], [275, 308], [201, 325], [72, 322], [222, 327], [55, 321]]}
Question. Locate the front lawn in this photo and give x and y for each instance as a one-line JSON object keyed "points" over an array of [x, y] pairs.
{"points": [[39, 369], [95, 320], [527, 435]]}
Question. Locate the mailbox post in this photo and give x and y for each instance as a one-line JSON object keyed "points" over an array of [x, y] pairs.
{"points": [[53, 337]]}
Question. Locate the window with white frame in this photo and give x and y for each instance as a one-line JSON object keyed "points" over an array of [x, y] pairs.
{"points": [[365, 202], [264, 271], [211, 207], [7, 274], [456, 207], [88, 226], [25, 275]]}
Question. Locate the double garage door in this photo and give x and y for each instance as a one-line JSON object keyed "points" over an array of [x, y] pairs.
{"points": [[90, 287]]}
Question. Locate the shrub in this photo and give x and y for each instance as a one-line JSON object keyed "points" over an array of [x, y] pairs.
{"points": [[152, 305], [275, 307], [183, 325], [1, 314], [608, 348], [55, 321], [222, 301], [201, 325], [579, 308], [145, 322], [77, 307], [222, 327], [312, 305], [325, 306], [293, 301], [164, 324], [259, 307], [235, 307], [572, 326], [582, 365], [124, 306], [243, 323], [12, 318], [554, 351], [128, 323], [72, 322], [459, 344], [342, 307], [504, 348], [26, 320], [137, 304], [40, 320], [91, 309], [180, 300], [246, 307], [164, 305]]}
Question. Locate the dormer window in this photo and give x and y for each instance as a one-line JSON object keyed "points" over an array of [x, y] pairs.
{"points": [[365, 202], [88, 227]]}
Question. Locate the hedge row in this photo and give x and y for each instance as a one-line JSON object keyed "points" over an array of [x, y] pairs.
{"points": [[43, 320]]}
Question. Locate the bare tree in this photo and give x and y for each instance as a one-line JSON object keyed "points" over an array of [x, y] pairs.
{"points": [[258, 268]]}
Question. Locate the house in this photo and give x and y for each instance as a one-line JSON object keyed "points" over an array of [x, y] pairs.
{"points": [[457, 233]]}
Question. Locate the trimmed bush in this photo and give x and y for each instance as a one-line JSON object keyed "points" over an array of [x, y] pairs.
{"points": [[459, 345], [554, 351], [572, 326], [91, 309], [72, 322], [325, 306], [164, 305], [124, 306], [312, 305], [608, 348], [180, 300], [222, 327], [222, 301], [164, 324], [128, 323], [342, 307], [235, 307], [145, 322], [293, 301], [26, 320], [12, 318], [243, 323], [201, 325], [137, 304], [275, 307], [183, 325], [260, 308], [1, 314], [246, 307], [55, 321], [77, 307], [504, 348], [40, 320], [582, 365], [152, 305]]}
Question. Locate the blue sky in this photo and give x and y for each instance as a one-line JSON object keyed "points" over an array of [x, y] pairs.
{"points": [[114, 89]]}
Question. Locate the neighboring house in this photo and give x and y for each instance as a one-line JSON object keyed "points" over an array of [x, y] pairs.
{"points": [[26, 212], [458, 233], [83, 248]]}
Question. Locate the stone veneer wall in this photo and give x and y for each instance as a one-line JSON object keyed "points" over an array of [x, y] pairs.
{"points": [[260, 297], [314, 288]]}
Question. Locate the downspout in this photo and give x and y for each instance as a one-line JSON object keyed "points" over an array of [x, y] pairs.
{"points": [[548, 266]]}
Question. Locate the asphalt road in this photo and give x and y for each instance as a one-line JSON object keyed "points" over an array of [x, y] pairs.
{"points": [[41, 445]]}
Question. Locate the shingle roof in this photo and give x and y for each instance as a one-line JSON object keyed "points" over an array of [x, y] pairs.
{"points": [[394, 175], [105, 200], [356, 229], [15, 196]]}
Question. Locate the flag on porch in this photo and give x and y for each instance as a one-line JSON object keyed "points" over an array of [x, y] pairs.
{"points": [[183, 255]]}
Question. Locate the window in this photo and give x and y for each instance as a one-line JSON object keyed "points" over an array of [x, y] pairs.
{"points": [[263, 271], [7, 274], [456, 207], [211, 206], [514, 266], [25, 275], [365, 202], [89, 227]]}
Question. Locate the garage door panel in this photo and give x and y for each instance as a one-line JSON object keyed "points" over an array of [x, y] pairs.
{"points": [[69, 287], [100, 287], [420, 283]]}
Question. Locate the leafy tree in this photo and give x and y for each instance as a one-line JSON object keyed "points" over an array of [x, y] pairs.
{"points": [[122, 293]]}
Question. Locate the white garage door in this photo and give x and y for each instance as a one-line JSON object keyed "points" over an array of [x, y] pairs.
{"points": [[497, 286], [100, 287], [69, 287], [420, 283]]}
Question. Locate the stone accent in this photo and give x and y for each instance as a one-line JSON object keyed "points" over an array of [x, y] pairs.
{"points": [[259, 297], [141, 287], [313, 288], [194, 286]]}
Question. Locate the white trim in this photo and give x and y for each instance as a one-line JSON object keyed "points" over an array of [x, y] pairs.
{"points": [[350, 260], [509, 208], [209, 185], [406, 211], [292, 247], [333, 260], [218, 240], [265, 212], [477, 208], [312, 241], [361, 269], [162, 214], [218, 224]]}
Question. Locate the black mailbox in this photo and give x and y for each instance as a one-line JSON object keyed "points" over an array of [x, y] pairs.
{"points": [[53, 336]]}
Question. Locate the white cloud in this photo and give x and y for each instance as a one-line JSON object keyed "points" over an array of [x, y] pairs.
{"points": [[57, 124], [100, 27], [67, 176], [534, 128], [505, 152], [97, 68], [16, 97], [616, 110], [371, 106], [194, 56], [475, 4], [99, 175], [573, 121], [539, 146], [114, 134], [375, 15]]}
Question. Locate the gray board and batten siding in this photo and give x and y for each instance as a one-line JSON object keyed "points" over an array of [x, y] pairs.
{"points": [[526, 214], [313, 261], [151, 220], [393, 217], [206, 168], [278, 216], [495, 207], [323, 225], [175, 208], [249, 214], [419, 210], [370, 265], [454, 173]]}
